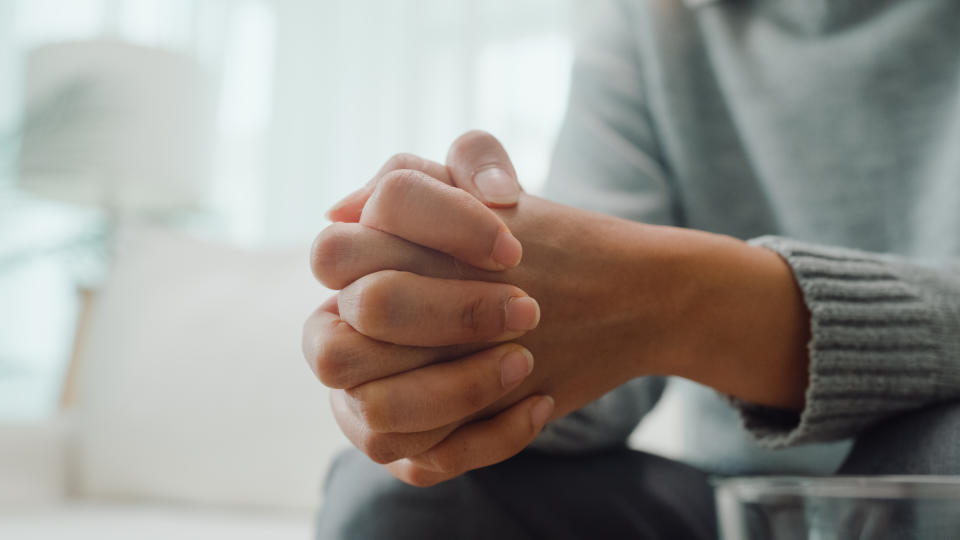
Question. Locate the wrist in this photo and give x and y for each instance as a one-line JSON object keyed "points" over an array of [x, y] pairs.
{"points": [[743, 326]]}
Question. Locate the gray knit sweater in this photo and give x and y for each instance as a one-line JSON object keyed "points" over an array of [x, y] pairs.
{"points": [[825, 130]]}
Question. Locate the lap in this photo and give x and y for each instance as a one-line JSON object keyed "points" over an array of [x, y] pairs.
{"points": [[619, 493], [613, 494]]}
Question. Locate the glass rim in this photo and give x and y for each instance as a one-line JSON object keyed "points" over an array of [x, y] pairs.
{"points": [[752, 488]]}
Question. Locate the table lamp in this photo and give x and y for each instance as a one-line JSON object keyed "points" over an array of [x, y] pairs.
{"points": [[123, 127]]}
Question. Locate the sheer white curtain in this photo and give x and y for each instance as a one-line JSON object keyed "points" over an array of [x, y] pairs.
{"points": [[358, 80], [315, 94]]}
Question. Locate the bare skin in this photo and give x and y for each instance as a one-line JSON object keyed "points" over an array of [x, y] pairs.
{"points": [[430, 341]]}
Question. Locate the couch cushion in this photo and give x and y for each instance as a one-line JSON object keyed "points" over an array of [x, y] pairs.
{"points": [[192, 386]]}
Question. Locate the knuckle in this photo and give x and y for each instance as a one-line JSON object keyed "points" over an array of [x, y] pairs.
{"points": [[374, 306], [334, 358], [397, 183], [372, 405], [332, 248], [387, 202], [403, 160]]}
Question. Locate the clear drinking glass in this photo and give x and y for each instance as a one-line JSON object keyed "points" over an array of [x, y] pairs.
{"points": [[842, 507]]}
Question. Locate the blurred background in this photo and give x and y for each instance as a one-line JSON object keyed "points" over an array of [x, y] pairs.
{"points": [[164, 165]]}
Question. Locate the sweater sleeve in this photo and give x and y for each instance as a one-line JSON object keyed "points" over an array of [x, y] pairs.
{"points": [[606, 159], [885, 339]]}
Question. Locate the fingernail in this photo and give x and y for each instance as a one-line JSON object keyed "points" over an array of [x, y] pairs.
{"points": [[541, 411], [497, 186], [523, 313], [507, 250], [515, 366]]}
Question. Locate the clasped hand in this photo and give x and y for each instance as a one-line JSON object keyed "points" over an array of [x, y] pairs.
{"points": [[460, 328]]}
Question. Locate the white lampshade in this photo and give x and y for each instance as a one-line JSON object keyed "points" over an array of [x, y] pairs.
{"points": [[116, 125]]}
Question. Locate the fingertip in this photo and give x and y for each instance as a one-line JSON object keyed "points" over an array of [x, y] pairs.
{"points": [[478, 163], [336, 215], [349, 208], [507, 250], [346, 212], [541, 411]]}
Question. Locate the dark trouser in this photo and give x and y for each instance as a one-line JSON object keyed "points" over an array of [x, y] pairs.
{"points": [[615, 494]]}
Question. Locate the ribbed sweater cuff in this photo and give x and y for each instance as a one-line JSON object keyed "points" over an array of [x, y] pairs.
{"points": [[876, 346]]}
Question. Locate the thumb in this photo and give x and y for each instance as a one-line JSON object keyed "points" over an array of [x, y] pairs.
{"points": [[478, 164]]}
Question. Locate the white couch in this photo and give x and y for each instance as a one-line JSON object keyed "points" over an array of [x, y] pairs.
{"points": [[195, 414]]}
